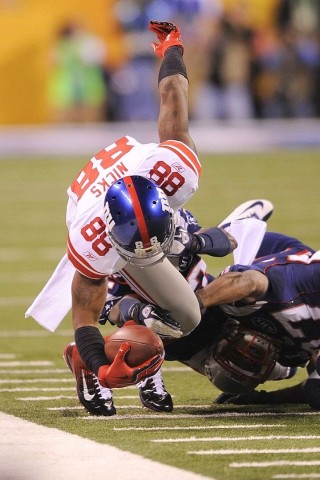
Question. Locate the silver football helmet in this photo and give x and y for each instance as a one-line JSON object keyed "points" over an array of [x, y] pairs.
{"points": [[241, 359]]}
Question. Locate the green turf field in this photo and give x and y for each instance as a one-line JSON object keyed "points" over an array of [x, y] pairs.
{"points": [[218, 441]]}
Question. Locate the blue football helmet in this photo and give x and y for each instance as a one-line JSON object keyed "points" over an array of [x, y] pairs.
{"points": [[139, 220]]}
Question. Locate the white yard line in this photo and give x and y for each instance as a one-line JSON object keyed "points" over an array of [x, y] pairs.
{"points": [[276, 463], [19, 381], [198, 427], [32, 452], [236, 439], [250, 451], [37, 389], [34, 333], [297, 475], [203, 415], [34, 371], [16, 363], [47, 399]]}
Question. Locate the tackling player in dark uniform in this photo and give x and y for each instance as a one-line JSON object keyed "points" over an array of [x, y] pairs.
{"points": [[279, 296], [284, 324]]}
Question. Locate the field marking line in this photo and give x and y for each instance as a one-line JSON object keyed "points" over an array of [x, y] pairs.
{"points": [[19, 381], [297, 475], [250, 451], [236, 439], [30, 399], [277, 463], [202, 427], [7, 356], [16, 363], [34, 371], [47, 399], [219, 415], [34, 333], [33, 452], [37, 389], [59, 397]]}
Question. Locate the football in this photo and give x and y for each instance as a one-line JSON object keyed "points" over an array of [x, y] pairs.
{"points": [[145, 343]]}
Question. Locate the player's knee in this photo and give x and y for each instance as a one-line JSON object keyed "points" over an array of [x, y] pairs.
{"points": [[188, 315]]}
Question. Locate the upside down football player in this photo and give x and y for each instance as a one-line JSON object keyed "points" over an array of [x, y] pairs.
{"points": [[149, 182], [184, 251]]}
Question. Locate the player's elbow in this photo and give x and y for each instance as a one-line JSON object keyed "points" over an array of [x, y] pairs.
{"points": [[253, 285]]}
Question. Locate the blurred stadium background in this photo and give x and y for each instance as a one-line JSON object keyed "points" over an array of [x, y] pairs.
{"points": [[75, 62]]}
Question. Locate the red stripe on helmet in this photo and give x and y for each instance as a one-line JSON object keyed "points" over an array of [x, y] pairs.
{"points": [[138, 211]]}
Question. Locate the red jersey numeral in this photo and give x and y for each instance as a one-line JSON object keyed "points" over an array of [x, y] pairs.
{"points": [[95, 232], [170, 181], [90, 172]]}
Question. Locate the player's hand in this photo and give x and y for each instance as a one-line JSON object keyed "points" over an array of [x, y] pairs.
{"points": [[184, 242], [250, 398], [119, 374], [213, 241], [159, 321], [167, 34], [150, 316], [104, 315]]}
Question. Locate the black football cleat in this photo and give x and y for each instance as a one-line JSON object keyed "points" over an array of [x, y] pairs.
{"points": [[153, 394], [96, 399]]}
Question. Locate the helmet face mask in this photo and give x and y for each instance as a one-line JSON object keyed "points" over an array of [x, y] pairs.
{"points": [[241, 360], [139, 220]]}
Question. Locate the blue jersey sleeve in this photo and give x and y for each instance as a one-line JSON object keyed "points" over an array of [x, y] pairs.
{"points": [[187, 221]]}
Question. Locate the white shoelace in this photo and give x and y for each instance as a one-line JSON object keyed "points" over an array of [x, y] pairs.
{"points": [[157, 382], [103, 392]]}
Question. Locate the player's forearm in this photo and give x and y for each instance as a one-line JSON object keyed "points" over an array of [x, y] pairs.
{"points": [[294, 394], [88, 299], [233, 287], [114, 314], [173, 120]]}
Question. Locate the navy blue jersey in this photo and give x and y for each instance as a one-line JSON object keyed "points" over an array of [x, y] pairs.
{"points": [[290, 308], [297, 344], [289, 311], [204, 335]]}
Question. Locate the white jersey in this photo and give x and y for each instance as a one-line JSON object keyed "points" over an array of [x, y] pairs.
{"points": [[173, 166]]}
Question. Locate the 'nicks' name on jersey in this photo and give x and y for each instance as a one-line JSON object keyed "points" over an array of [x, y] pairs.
{"points": [[102, 170], [100, 187], [97, 180]]}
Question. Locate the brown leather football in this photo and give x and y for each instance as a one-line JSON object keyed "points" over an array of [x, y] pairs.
{"points": [[145, 343]]}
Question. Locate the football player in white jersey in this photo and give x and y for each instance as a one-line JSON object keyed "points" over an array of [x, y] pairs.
{"points": [[120, 218], [129, 226], [190, 238]]}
